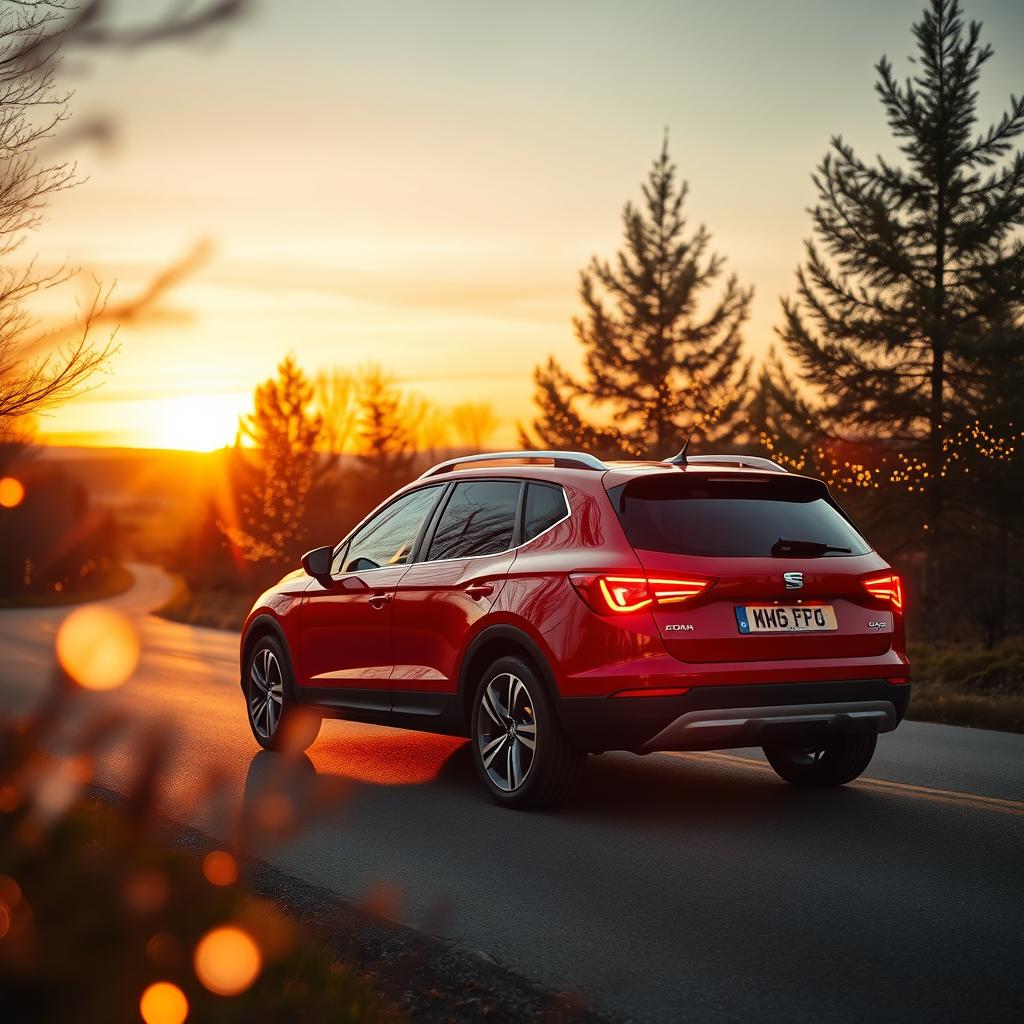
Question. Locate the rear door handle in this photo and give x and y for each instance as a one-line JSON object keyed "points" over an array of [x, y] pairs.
{"points": [[480, 589], [379, 600]]}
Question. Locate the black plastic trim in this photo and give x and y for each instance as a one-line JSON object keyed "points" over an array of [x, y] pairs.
{"points": [[258, 624], [505, 631], [627, 723], [402, 709]]}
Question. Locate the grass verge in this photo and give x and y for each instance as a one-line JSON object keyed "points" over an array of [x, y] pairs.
{"points": [[217, 609], [962, 684]]}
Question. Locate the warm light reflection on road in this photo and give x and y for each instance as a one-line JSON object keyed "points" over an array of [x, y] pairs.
{"points": [[384, 757]]}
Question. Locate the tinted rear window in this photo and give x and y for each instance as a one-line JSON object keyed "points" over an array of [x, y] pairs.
{"points": [[739, 517], [545, 506]]}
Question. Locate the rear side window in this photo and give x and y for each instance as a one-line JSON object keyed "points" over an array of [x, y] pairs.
{"points": [[479, 519], [734, 516], [545, 506]]}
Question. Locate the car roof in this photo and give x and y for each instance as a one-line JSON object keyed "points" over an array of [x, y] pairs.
{"points": [[578, 466]]}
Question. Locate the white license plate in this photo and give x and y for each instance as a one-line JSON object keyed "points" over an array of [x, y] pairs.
{"points": [[773, 618]]}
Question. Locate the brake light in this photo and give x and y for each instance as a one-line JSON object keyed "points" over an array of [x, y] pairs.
{"points": [[606, 594], [886, 587]]}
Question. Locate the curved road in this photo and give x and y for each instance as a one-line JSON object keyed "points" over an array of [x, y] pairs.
{"points": [[677, 887]]}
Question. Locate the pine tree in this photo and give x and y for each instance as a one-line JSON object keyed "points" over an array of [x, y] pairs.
{"points": [[280, 471], [386, 436], [909, 301], [663, 351]]}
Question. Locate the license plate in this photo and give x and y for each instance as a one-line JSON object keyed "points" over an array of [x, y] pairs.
{"points": [[773, 618]]}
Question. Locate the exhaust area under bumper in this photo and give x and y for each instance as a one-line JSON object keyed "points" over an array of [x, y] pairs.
{"points": [[759, 726]]}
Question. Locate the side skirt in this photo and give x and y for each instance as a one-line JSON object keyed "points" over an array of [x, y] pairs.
{"points": [[402, 709]]}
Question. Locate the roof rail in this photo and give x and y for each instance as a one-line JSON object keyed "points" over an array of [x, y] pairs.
{"points": [[750, 461], [563, 460]]}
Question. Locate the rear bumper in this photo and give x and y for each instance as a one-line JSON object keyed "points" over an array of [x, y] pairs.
{"points": [[717, 717]]}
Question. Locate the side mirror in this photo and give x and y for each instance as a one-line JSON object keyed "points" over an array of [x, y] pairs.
{"points": [[317, 563]]}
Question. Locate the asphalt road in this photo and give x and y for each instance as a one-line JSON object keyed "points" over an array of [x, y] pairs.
{"points": [[677, 887]]}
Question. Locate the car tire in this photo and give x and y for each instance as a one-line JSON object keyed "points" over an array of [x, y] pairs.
{"points": [[521, 753], [276, 720], [834, 763]]}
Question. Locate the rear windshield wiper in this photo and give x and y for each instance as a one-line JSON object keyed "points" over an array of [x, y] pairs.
{"points": [[804, 549]]}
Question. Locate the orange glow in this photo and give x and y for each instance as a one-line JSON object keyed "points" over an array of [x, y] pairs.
{"points": [[198, 423], [386, 757], [163, 1003], [227, 960], [98, 647], [220, 868], [886, 587], [11, 492]]}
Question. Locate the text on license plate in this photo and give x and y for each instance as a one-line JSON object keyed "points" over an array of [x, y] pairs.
{"points": [[773, 618]]}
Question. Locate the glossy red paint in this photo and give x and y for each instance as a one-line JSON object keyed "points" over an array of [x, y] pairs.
{"points": [[408, 632]]}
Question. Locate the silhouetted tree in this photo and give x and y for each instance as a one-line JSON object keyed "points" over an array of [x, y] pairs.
{"points": [[474, 423], [41, 368], [429, 423], [662, 351], [910, 298], [284, 434], [335, 398], [385, 435]]}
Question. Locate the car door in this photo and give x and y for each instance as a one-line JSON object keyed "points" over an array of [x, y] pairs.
{"points": [[467, 553], [345, 646]]}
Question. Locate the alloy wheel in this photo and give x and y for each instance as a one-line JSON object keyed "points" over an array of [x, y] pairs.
{"points": [[507, 731], [266, 693]]}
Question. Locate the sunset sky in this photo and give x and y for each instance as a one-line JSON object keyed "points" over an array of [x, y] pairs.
{"points": [[418, 184]]}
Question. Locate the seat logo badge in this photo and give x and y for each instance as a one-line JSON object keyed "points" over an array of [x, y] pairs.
{"points": [[794, 580]]}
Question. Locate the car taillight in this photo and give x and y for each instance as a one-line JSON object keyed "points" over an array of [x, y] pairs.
{"points": [[607, 594], [885, 587]]}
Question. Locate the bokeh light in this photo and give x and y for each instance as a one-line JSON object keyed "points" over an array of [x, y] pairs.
{"points": [[12, 492], [220, 868], [227, 960], [98, 647], [163, 1003], [146, 891]]}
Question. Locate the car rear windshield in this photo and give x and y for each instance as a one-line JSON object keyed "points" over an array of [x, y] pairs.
{"points": [[739, 516]]}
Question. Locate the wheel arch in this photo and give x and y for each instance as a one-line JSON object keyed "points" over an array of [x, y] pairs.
{"points": [[261, 626], [499, 641]]}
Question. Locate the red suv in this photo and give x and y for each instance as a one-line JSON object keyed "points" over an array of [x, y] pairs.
{"points": [[549, 605]]}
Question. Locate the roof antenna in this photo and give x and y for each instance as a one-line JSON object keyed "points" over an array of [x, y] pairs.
{"points": [[680, 459]]}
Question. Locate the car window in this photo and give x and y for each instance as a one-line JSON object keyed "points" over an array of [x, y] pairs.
{"points": [[733, 516], [545, 506], [389, 537], [479, 519]]}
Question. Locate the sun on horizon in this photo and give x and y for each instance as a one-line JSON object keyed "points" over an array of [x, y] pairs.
{"points": [[196, 423]]}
